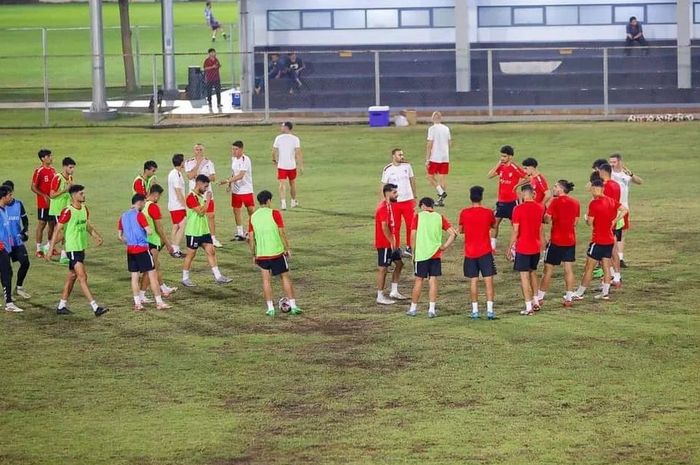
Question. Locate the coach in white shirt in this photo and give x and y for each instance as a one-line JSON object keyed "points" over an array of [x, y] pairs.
{"points": [[195, 166], [287, 155], [176, 202], [400, 172], [240, 184], [437, 156]]}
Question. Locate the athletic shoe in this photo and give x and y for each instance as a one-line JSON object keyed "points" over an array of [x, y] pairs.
{"points": [[295, 203], [163, 306], [223, 280], [295, 311], [598, 273], [239, 238], [216, 243], [188, 283], [168, 291], [225, 36], [177, 254], [623, 264], [101, 311], [577, 297], [602, 296], [63, 311], [383, 300], [432, 315], [412, 313], [568, 303], [527, 312], [270, 312], [443, 196], [439, 202], [146, 300], [22, 293], [491, 315], [397, 296], [283, 206], [138, 308], [12, 308], [474, 316], [407, 252], [63, 261], [39, 254]]}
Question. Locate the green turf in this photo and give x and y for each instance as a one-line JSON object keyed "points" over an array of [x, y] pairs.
{"points": [[21, 62], [214, 381]]}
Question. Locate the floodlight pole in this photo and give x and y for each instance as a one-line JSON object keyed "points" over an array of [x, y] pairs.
{"points": [[99, 110], [247, 49], [462, 47], [168, 25], [683, 18]]}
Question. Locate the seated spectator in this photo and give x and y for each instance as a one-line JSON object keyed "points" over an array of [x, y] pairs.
{"points": [[294, 67], [275, 70], [401, 121], [635, 35]]}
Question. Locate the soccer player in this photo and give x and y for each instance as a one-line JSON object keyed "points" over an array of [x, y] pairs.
{"points": [[41, 186], [200, 165], [612, 190], [603, 213], [270, 248], [563, 212], [287, 154], [400, 172], [197, 231], [625, 178], [6, 244], [509, 175], [212, 22], [527, 225], [143, 182], [476, 223], [60, 198], [539, 186], [176, 203], [386, 244], [240, 184], [19, 226], [426, 235], [74, 224], [437, 157], [157, 239]]}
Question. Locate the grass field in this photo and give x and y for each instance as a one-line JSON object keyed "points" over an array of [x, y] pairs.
{"points": [[214, 381], [21, 62]]}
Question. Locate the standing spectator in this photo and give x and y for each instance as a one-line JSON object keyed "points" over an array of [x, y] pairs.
{"points": [[212, 22], [635, 35], [293, 69], [212, 80]]}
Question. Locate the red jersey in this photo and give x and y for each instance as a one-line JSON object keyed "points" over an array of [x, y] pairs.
{"points": [[508, 177], [192, 201], [41, 179], [64, 217], [528, 215], [154, 211], [136, 249], [140, 186], [445, 226], [612, 189], [476, 222], [603, 210], [564, 210], [56, 181], [383, 214], [540, 186], [212, 75]]}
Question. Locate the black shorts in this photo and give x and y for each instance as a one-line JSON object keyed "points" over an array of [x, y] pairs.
{"points": [[19, 254], [42, 214], [484, 265], [526, 262], [505, 209], [140, 262], [385, 257], [194, 242], [599, 252], [428, 268], [618, 234], [155, 247], [555, 254], [276, 266], [75, 257]]}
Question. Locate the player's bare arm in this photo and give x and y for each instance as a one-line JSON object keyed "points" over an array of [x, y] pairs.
{"points": [[428, 150], [388, 235], [251, 244], [451, 235], [164, 237], [299, 156], [492, 171], [413, 187], [275, 154], [285, 241], [96, 235], [58, 230], [513, 238]]}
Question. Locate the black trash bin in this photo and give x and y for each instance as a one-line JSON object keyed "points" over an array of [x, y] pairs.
{"points": [[195, 83]]}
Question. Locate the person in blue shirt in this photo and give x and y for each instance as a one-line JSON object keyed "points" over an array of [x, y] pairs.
{"points": [[19, 228], [212, 22], [7, 241], [635, 35]]}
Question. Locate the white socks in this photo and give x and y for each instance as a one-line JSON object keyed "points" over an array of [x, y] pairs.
{"points": [[380, 294], [239, 231], [94, 305], [394, 288], [489, 306], [62, 303], [431, 309], [621, 255], [64, 254], [540, 295], [293, 303], [176, 249], [475, 307], [270, 305], [185, 275], [580, 291], [569, 295], [283, 204], [528, 305], [617, 277], [440, 190], [414, 307], [606, 289], [215, 270], [137, 300]]}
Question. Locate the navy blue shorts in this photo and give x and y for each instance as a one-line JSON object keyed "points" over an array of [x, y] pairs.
{"points": [[484, 265], [428, 268], [526, 262]]}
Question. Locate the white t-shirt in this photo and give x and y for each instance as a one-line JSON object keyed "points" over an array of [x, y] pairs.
{"points": [[401, 176], [624, 181], [286, 145], [176, 181], [440, 135], [206, 168], [245, 184]]}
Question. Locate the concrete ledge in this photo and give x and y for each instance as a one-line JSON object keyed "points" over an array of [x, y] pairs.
{"points": [[100, 115]]}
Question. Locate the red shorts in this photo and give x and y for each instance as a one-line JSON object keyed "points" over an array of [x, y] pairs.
{"points": [[286, 174], [176, 216], [210, 209], [438, 168], [239, 200]]}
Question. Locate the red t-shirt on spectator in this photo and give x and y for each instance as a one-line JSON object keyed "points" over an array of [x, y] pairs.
{"points": [[528, 215], [476, 222], [563, 210], [212, 75]]}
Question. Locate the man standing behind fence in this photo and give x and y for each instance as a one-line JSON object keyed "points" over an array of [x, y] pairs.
{"points": [[212, 80]]}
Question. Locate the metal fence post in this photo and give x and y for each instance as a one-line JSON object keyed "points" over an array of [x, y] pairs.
{"points": [[155, 90], [44, 47], [606, 102], [377, 84], [137, 46], [489, 61], [266, 78]]}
